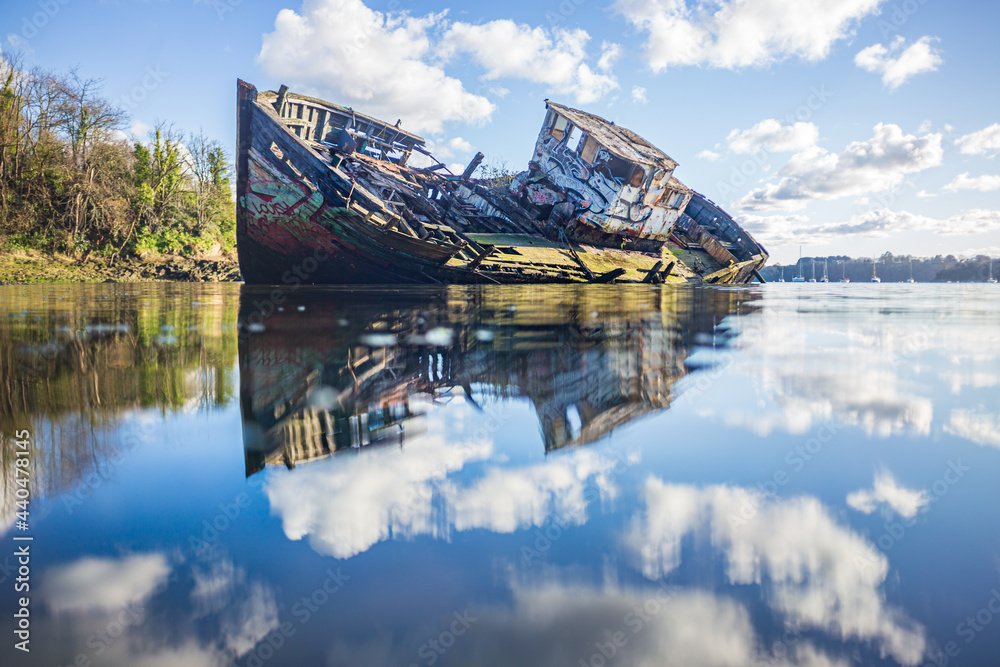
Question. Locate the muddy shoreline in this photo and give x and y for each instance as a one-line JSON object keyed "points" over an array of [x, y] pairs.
{"points": [[21, 267]]}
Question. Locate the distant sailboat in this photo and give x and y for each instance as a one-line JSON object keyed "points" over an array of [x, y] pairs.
{"points": [[875, 278], [799, 278], [782, 278], [826, 271], [812, 263], [843, 273], [911, 280], [991, 279]]}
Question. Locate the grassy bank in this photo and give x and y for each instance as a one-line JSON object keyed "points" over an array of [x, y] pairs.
{"points": [[29, 266]]}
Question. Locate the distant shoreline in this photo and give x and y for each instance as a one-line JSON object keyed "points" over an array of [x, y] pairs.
{"points": [[18, 267]]}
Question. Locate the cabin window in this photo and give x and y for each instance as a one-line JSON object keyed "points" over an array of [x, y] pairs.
{"points": [[575, 137], [589, 150], [636, 177], [559, 127], [620, 170], [674, 199]]}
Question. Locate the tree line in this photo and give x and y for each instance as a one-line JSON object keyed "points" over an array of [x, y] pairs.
{"points": [[889, 268], [71, 181]]}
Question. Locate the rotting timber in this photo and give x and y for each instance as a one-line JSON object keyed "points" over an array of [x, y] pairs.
{"points": [[325, 196]]}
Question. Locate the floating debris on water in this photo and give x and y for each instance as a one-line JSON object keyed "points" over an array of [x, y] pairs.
{"points": [[378, 339]]}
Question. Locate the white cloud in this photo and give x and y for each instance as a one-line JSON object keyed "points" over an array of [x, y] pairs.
{"points": [[610, 53], [819, 574], [741, 33], [551, 57], [905, 502], [442, 150], [774, 230], [976, 426], [244, 625], [639, 95], [706, 154], [779, 230], [883, 222], [392, 64], [20, 45], [104, 584], [896, 64], [389, 492], [247, 612], [509, 499], [772, 136], [986, 183], [923, 194], [384, 63], [460, 145], [547, 624], [139, 129], [404, 494], [985, 141], [877, 164]]}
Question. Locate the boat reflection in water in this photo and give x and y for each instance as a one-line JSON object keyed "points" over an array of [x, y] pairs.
{"points": [[342, 370]]}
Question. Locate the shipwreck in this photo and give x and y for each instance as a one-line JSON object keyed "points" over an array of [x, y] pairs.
{"points": [[326, 195]]}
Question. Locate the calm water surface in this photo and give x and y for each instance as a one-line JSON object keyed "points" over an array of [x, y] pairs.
{"points": [[780, 475]]}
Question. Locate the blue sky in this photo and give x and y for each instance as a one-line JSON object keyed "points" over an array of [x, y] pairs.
{"points": [[854, 127]]}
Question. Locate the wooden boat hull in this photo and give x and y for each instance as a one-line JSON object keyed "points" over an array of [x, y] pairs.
{"points": [[293, 223]]}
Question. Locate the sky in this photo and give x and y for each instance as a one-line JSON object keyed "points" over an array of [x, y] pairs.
{"points": [[851, 127]]}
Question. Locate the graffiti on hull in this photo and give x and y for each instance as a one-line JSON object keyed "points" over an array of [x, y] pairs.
{"points": [[280, 212], [585, 183]]}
